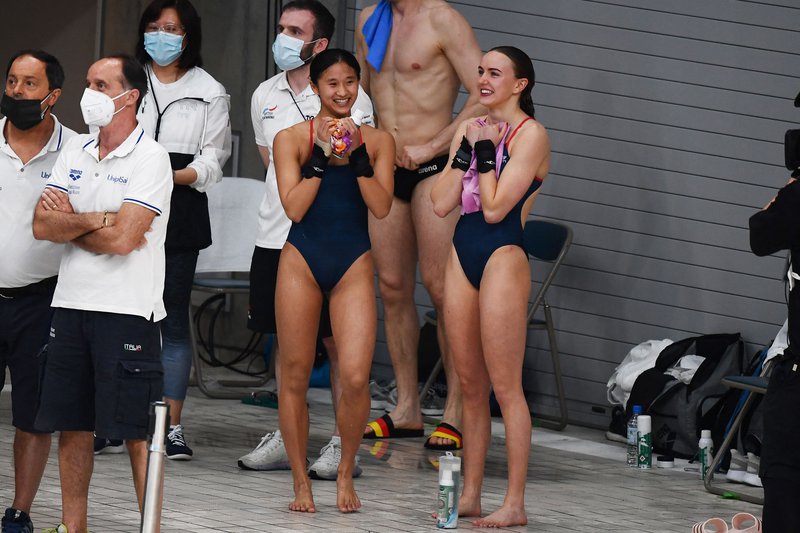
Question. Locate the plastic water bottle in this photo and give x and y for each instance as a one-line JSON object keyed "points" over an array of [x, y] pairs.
{"points": [[705, 450], [645, 460], [633, 442], [449, 475]]}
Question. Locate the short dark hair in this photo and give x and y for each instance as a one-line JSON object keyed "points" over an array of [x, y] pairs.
{"points": [[53, 69], [330, 57], [190, 20], [324, 23], [133, 75]]}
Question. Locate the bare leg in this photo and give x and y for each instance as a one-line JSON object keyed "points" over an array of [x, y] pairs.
{"points": [[75, 465], [30, 458], [137, 450], [503, 309], [461, 312], [434, 236], [336, 395], [298, 301], [175, 410], [394, 253], [353, 317]]}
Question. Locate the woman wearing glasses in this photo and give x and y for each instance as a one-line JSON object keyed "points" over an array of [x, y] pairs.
{"points": [[186, 111]]}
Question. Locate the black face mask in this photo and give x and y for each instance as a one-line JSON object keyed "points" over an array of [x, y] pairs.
{"points": [[24, 114]]}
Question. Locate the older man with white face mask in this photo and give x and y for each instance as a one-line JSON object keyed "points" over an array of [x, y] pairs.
{"points": [[108, 200]]}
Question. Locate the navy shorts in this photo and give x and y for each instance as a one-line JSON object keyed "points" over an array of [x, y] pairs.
{"points": [[263, 280], [24, 328], [101, 373]]}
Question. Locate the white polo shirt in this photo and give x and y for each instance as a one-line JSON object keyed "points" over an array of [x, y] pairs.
{"points": [[26, 260], [138, 171], [275, 107]]}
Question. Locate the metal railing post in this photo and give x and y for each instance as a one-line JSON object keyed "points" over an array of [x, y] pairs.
{"points": [[154, 482]]}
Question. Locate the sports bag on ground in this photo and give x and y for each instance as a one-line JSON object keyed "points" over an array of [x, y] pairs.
{"points": [[679, 410]]}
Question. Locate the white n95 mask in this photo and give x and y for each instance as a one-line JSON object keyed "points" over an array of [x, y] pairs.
{"points": [[98, 108]]}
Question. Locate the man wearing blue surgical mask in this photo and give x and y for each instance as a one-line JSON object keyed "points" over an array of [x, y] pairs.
{"points": [[305, 29]]}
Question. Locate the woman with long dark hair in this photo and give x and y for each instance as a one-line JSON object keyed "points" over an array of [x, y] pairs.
{"points": [[499, 162], [186, 111], [330, 173]]}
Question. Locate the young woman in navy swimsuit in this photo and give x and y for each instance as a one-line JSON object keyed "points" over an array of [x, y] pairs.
{"points": [[499, 162], [328, 251]]}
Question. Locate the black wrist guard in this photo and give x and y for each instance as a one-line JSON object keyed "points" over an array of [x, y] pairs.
{"points": [[359, 162], [463, 156], [316, 165], [485, 152]]}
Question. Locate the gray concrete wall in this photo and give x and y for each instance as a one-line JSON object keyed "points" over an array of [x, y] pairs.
{"points": [[666, 122], [64, 29]]}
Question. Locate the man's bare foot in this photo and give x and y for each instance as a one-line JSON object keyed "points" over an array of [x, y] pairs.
{"points": [[400, 423], [435, 442], [346, 498], [503, 517], [303, 499]]}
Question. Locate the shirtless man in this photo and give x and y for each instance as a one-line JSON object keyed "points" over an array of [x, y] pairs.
{"points": [[431, 51]]}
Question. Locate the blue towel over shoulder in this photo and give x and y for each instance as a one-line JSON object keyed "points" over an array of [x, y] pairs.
{"points": [[377, 30]]}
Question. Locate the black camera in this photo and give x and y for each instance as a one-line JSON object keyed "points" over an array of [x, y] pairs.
{"points": [[792, 146]]}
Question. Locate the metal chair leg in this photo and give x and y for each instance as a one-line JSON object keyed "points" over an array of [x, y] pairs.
{"points": [[720, 454], [549, 422], [431, 378], [198, 372]]}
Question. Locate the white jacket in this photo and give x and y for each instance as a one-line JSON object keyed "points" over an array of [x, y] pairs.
{"points": [[194, 121]]}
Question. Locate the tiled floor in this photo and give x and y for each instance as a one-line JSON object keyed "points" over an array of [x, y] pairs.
{"points": [[578, 482]]}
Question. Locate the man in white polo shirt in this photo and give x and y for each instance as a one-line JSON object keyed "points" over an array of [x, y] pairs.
{"points": [[107, 199], [305, 27], [30, 140]]}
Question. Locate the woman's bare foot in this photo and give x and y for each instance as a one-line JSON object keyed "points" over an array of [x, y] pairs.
{"points": [[506, 516], [469, 504], [465, 508], [469, 507], [303, 499], [346, 498]]}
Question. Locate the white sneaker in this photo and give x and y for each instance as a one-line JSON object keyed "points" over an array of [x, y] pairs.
{"points": [[753, 464], [738, 468], [270, 454], [377, 395], [434, 401], [327, 466]]}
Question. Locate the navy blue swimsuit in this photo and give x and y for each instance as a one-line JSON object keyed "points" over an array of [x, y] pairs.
{"points": [[333, 233], [475, 240]]}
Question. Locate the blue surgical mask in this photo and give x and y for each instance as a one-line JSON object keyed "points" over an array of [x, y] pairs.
{"points": [[286, 52], [163, 47]]}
